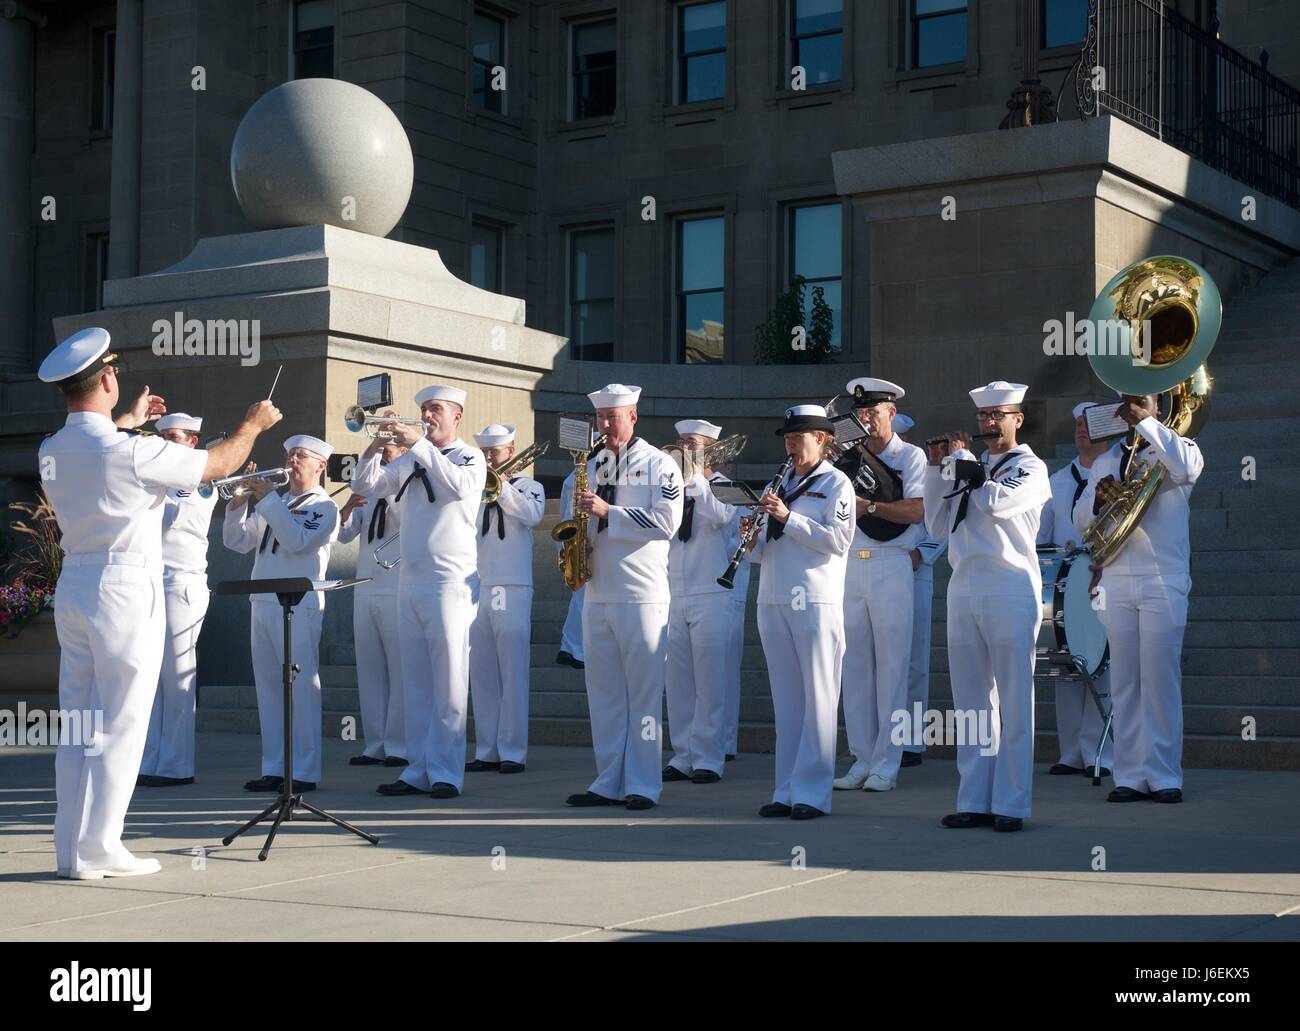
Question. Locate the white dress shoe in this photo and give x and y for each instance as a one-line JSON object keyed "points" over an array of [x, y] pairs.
{"points": [[849, 782], [878, 783], [132, 867]]}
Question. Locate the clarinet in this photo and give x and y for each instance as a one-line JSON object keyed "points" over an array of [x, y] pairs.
{"points": [[727, 579]]}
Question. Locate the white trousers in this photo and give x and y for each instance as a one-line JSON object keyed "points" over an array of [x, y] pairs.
{"points": [[571, 635], [375, 619], [434, 639], [878, 643], [267, 633], [735, 663], [1145, 617], [169, 749], [626, 646], [700, 632], [918, 666], [500, 641], [991, 643], [111, 626], [805, 655], [1078, 723]]}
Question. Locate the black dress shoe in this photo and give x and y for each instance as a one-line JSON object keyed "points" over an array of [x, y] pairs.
{"points": [[565, 659], [168, 782], [635, 802], [673, 773], [1007, 823], [1127, 795], [144, 780], [589, 798], [299, 786], [1065, 770], [481, 766], [364, 760], [1168, 795], [510, 767], [963, 820], [730, 756], [911, 759], [805, 812], [705, 777], [774, 809], [264, 784], [396, 760], [443, 790], [399, 787]]}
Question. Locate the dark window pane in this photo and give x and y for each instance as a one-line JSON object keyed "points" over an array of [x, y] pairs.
{"points": [[485, 257], [702, 330], [594, 39], [704, 27], [313, 39], [817, 241], [485, 96], [817, 15], [593, 330], [705, 78], [594, 69], [486, 41], [315, 64], [1064, 22], [940, 40], [821, 58], [593, 264], [702, 257], [937, 6], [596, 94]]}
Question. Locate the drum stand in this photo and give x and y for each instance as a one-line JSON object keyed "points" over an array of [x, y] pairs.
{"points": [[1107, 711]]}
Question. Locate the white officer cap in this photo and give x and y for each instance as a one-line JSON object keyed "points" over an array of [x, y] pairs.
{"points": [[805, 417], [180, 421], [867, 390], [902, 423], [615, 395], [1082, 407], [999, 392], [307, 442], [441, 393], [495, 435], [83, 354], [704, 429]]}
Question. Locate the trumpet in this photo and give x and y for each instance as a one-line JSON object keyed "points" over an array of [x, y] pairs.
{"points": [[382, 563], [231, 487], [357, 419], [496, 477]]}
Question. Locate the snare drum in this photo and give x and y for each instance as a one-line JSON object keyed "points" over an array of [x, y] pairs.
{"points": [[1071, 639]]}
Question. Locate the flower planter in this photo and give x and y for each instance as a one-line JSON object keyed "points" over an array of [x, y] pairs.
{"points": [[29, 663]]}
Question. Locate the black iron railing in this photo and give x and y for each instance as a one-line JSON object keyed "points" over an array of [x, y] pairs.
{"points": [[1152, 67]]}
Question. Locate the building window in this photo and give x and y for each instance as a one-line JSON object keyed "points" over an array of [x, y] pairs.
{"points": [[816, 254], [591, 295], [701, 51], [488, 47], [701, 275], [938, 32], [487, 256], [595, 64], [1064, 22], [817, 39], [313, 39], [94, 271], [103, 52]]}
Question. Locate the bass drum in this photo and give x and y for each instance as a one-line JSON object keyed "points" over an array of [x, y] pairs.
{"points": [[1071, 638]]}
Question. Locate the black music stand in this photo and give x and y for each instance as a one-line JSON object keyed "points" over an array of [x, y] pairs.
{"points": [[290, 591]]}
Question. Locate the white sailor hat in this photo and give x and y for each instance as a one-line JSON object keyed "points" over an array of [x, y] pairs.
{"points": [[902, 423], [307, 442], [999, 392], [1082, 407], [615, 395], [441, 393], [82, 355], [180, 421], [805, 417], [495, 435], [704, 429], [867, 390]]}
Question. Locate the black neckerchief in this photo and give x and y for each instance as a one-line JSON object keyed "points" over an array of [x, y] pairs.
{"points": [[378, 521], [608, 492], [966, 491], [1079, 483], [420, 475], [776, 529], [268, 536]]}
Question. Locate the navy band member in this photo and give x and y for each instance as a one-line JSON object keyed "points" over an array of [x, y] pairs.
{"points": [[1144, 609], [107, 489], [500, 638], [635, 510], [169, 751], [994, 606], [437, 484], [803, 551], [878, 594], [1078, 723], [700, 620], [375, 619], [291, 534]]}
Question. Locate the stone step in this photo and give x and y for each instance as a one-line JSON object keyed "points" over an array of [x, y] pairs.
{"points": [[1249, 496], [1234, 378], [1220, 661]]}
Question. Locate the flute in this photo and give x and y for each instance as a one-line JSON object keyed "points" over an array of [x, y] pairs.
{"points": [[727, 579], [946, 440]]}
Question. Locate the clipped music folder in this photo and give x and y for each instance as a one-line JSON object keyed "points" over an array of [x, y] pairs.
{"points": [[738, 494], [1103, 423], [284, 585]]}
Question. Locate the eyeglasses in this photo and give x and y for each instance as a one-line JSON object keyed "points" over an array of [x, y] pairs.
{"points": [[993, 416]]}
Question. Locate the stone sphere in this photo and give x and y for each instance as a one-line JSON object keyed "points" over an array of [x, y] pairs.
{"points": [[318, 151]]}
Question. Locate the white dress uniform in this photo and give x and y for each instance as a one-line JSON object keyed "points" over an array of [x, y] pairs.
{"points": [[108, 491], [438, 492], [291, 535], [801, 624], [376, 615], [169, 750], [625, 614], [994, 610], [878, 612], [1078, 722], [571, 634], [701, 625], [500, 638], [1144, 611], [918, 666]]}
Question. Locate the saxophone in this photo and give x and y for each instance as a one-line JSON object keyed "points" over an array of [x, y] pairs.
{"points": [[575, 549]]}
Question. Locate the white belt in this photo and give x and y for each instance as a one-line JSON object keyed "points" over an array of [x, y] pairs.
{"points": [[112, 558]]}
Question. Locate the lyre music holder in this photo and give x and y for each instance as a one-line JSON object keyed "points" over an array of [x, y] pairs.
{"points": [[290, 591]]}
